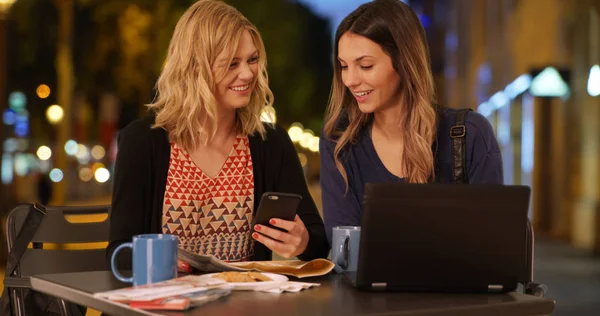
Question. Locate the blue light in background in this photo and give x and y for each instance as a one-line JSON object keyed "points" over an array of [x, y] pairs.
{"points": [[451, 41], [9, 117], [485, 73], [22, 126], [425, 20]]}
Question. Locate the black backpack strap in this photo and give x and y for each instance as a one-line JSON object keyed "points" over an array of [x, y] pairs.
{"points": [[458, 134], [30, 226]]}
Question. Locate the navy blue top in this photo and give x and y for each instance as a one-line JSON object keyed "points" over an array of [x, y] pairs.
{"points": [[362, 165]]}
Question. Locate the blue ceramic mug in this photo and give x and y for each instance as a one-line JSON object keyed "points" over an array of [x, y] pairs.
{"points": [[154, 259]]}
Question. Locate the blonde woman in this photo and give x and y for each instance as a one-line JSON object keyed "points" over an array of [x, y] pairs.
{"points": [[197, 166], [382, 124]]}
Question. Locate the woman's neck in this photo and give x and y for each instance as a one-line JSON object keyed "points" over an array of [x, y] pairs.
{"points": [[387, 122], [226, 129]]}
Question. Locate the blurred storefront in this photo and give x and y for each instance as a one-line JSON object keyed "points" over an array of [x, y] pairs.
{"points": [[530, 68]]}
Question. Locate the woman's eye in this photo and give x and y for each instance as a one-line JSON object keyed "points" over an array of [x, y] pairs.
{"points": [[366, 67], [253, 60]]}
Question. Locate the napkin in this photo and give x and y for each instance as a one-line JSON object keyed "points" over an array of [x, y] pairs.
{"points": [[289, 286]]}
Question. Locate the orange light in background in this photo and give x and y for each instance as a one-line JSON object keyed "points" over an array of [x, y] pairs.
{"points": [[43, 91], [98, 152], [97, 166], [86, 174]]}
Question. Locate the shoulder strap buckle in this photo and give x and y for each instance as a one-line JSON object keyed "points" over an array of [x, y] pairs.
{"points": [[458, 131]]}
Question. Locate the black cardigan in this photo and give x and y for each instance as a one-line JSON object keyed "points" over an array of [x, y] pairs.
{"points": [[140, 178]]}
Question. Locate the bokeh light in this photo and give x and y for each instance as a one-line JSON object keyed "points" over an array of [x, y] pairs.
{"points": [[98, 152], [9, 117], [56, 175], [83, 154], [55, 114], [593, 86], [86, 174], [44, 152], [43, 91], [102, 175], [97, 166], [21, 165], [71, 147], [22, 124], [296, 131], [10, 145], [306, 139], [17, 101], [314, 144]]}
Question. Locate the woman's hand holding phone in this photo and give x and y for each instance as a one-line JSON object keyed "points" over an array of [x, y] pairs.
{"points": [[286, 244]]}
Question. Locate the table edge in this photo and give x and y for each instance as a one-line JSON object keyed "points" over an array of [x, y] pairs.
{"points": [[85, 299]]}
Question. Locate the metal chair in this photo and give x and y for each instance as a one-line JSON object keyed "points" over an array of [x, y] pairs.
{"points": [[529, 286], [54, 228]]}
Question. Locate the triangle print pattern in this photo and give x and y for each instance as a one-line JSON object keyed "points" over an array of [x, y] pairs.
{"points": [[211, 216]]}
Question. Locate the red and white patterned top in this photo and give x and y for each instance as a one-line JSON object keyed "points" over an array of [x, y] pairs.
{"points": [[211, 216]]}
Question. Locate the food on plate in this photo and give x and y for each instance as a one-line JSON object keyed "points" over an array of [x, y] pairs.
{"points": [[237, 277]]}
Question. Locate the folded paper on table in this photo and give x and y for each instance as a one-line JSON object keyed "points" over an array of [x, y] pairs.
{"points": [[296, 268], [176, 294], [183, 301], [289, 286]]}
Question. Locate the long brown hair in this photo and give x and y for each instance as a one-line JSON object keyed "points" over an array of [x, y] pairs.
{"points": [[397, 29]]}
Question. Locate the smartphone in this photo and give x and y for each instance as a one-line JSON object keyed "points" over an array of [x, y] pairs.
{"points": [[276, 205]]}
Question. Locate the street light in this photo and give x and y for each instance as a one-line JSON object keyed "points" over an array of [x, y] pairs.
{"points": [[5, 6]]}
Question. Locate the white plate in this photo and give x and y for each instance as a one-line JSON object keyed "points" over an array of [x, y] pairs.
{"points": [[250, 286]]}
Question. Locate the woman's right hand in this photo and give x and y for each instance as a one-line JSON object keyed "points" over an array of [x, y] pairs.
{"points": [[183, 267]]}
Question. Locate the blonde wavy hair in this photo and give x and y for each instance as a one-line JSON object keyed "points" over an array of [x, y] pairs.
{"points": [[397, 29], [185, 105]]}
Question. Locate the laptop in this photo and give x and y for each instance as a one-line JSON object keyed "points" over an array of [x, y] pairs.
{"points": [[442, 238]]}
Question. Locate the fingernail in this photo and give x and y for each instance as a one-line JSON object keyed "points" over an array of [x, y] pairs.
{"points": [[186, 265], [272, 222], [255, 236], [256, 227]]}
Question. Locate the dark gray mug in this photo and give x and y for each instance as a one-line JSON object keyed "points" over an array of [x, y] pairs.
{"points": [[344, 247]]}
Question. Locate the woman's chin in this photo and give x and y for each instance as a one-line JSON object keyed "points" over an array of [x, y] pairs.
{"points": [[367, 108]]}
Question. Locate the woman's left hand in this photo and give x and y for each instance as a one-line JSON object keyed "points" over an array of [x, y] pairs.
{"points": [[288, 244]]}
